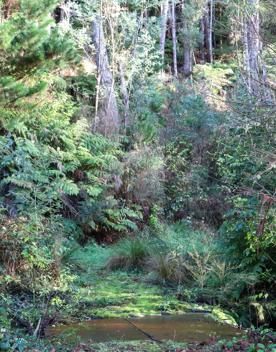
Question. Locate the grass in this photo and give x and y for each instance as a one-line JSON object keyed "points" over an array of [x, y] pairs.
{"points": [[98, 292], [104, 294], [129, 253], [173, 271], [101, 293]]}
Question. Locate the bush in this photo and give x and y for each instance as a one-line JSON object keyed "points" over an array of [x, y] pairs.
{"points": [[129, 253], [143, 176], [167, 268], [191, 185], [246, 168]]}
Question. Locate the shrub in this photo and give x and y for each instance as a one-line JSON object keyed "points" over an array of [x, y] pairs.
{"points": [[143, 176], [30, 255], [129, 253], [191, 184], [167, 268]]}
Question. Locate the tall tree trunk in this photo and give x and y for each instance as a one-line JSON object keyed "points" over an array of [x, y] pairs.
{"points": [[202, 42], [125, 95], [174, 38], [187, 66], [252, 47], [256, 75], [208, 18], [164, 19], [107, 115], [211, 30], [221, 35], [187, 47]]}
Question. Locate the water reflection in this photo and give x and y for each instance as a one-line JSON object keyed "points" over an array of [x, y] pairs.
{"points": [[183, 328]]}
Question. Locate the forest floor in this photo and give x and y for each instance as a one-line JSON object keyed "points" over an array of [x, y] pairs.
{"points": [[121, 294], [97, 292], [126, 294], [101, 293]]}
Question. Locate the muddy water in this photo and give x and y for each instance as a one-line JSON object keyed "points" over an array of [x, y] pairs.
{"points": [[192, 327]]}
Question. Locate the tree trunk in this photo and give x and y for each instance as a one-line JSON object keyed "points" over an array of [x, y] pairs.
{"points": [[211, 30], [208, 20], [252, 47], [174, 38], [107, 115], [125, 95], [7, 8], [187, 57], [164, 19], [256, 75], [187, 66], [202, 42]]}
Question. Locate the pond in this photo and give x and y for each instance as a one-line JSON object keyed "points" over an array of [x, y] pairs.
{"points": [[190, 327]]}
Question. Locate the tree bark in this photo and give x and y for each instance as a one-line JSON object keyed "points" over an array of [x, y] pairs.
{"points": [[174, 38], [107, 115], [252, 47], [187, 66], [211, 21], [164, 19], [208, 32], [256, 75], [202, 42], [65, 15], [187, 47], [125, 95]]}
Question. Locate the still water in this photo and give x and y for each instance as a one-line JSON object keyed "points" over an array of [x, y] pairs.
{"points": [[192, 327]]}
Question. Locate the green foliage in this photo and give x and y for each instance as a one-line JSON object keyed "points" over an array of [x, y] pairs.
{"points": [[29, 49], [218, 78], [129, 253], [189, 34], [30, 260], [196, 264], [62, 185], [147, 104], [51, 165], [248, 175], [191, 185], [143, 176], [239, 158]]}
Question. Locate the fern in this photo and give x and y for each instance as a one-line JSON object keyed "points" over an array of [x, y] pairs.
{"points": [[68, 187], [94, 191]]}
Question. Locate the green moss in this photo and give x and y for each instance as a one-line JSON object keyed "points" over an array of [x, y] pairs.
{"points": [[100, 293], [126, 294], [123, 294], [223, 316]]}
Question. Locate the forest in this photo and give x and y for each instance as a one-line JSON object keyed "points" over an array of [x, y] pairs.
{"points": [[137, 175]]}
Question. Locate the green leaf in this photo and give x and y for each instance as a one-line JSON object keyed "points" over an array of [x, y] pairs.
{"points": [[94, 191], [69, 187]]}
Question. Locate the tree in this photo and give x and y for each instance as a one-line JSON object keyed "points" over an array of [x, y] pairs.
{"points": [[187, 42], [210, 32], [174, 37], [164, 19], [252, 46], [206, 28], [107, 114], [30, 45]]}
